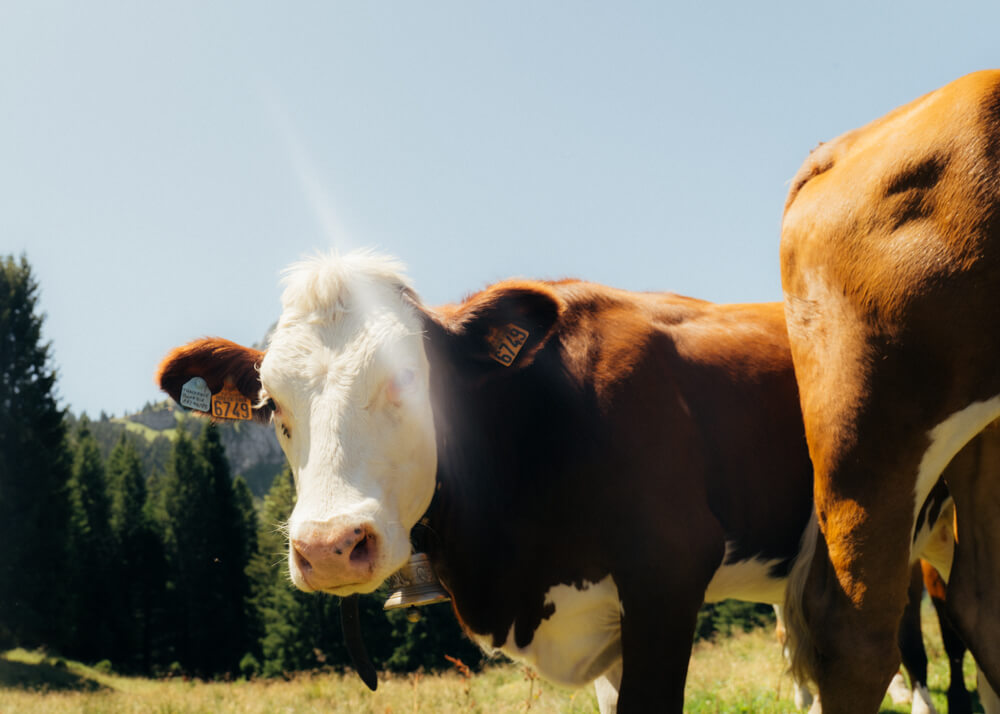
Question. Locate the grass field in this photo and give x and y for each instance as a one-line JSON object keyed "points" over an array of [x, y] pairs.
{"points": [[742, 673]]}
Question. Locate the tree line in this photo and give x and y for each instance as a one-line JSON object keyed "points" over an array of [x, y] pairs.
{"points": [[170, 565]]}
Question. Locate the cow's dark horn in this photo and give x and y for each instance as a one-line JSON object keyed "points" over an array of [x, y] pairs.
{"points": [[350, 622]]}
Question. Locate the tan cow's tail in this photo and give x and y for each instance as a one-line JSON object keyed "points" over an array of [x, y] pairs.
{"points": [[800, 645]]}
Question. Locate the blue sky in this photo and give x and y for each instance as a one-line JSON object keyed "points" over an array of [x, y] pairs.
{"points": [[161, 163]]}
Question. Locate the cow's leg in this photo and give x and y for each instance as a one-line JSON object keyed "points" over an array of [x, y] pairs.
{"points": [[865, 458], [854, 639], [607, 686], [863, 537], [973, 603], [959, 701], [660, 604], [657, 635], [911, 646], [656, 650], [911, 636], [899, 691], [853, 620]]}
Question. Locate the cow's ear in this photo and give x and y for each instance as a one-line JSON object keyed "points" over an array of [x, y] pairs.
{"points": [[506, 325], [210, 375]]}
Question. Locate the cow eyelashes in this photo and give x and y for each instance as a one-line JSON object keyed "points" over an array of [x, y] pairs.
{"points": [[275, 412], [286, 432]]}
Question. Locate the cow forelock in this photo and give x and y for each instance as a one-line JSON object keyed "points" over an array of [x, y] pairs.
{"points": [[347, 372]]}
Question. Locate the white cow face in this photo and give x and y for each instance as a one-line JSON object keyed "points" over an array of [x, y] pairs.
{"points": [[348, 377]]}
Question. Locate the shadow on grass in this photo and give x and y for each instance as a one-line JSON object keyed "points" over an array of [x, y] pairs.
{"points": [[44, 676]]}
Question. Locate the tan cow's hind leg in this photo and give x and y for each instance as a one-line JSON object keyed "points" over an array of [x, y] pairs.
{"points": [[866, 462], [855, 629], [852, 621], [974, 584]]}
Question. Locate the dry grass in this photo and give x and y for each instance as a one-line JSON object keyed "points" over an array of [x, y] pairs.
{"points": [[499, 689], [746, 673], [743, 673]]}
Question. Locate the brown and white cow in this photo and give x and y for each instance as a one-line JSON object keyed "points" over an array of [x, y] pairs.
{"points": [[589, 465], [890, 257]]}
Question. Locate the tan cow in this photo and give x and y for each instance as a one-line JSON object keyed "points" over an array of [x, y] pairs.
{"points": [[890, 257]]}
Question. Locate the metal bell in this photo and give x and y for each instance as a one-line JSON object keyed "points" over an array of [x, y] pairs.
{"points": [[414, 584]]}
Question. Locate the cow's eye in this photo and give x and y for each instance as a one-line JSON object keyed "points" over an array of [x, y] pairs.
{"points": [[279, 419]]}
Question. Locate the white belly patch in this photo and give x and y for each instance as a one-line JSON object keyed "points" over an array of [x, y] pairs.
{"points": [[748, 580], [946, 440], [579, 641]]}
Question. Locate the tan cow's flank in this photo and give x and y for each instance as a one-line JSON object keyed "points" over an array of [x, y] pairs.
{"points": [[890, 256]]}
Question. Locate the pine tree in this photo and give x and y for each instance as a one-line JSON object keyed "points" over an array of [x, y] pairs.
{"points": [[298, 630], [159, 639], [127, 491], [137, 570], [246, 517], [226, 587], [286, 644], [91, 550], [184, 525], [204, 527], [34, 469]]}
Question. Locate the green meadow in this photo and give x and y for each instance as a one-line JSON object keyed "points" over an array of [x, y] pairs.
{"points": [[740, 673]]}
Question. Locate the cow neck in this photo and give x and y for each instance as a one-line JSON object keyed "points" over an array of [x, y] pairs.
{"points": [[473, 487], [456, 513], [504, 440]]}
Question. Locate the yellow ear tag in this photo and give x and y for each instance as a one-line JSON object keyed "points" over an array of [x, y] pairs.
{"points": [[230, 404], [505, 343]]}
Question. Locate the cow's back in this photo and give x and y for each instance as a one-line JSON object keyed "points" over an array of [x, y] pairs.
{"points": [[701, 399]]}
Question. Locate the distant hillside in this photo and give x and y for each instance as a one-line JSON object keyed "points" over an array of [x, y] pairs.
{"points": [[252, 449]]}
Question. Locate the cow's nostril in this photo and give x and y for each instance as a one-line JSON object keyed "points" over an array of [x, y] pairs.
{"points": [[362, 549], [300, 560]]}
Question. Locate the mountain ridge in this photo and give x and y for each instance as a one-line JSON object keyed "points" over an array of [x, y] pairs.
{"points": [[252, 449]]}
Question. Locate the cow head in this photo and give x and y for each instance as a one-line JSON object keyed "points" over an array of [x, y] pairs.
{"points": [[347, 383]]}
